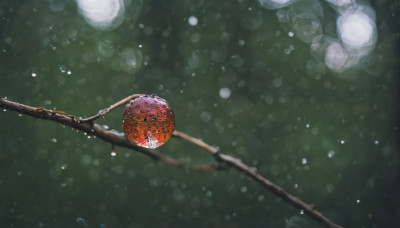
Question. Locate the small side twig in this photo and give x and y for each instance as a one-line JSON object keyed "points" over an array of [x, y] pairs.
{"points": [[88, 126], [103, 112]]}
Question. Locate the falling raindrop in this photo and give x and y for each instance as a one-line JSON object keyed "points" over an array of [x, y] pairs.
{"points": [[304, 161], [331, 153], [80, 220], [62, 68]]}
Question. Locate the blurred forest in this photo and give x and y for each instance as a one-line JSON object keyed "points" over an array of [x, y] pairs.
{"points": [[306, 92]]}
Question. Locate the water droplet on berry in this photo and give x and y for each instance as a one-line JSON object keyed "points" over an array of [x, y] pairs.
{"points": [[148, 121]]}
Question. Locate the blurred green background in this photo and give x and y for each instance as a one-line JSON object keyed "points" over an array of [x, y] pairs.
{"points": [[236, 76]]}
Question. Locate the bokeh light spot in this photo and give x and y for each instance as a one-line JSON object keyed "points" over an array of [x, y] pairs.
{"points": [[103, 15]]}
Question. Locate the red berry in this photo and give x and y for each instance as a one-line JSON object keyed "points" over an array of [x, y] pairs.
{"points": [[148, 121]]}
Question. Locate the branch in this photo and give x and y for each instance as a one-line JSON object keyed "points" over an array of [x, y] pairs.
{"points": [[267, 184], [88, 126], [93, 129], [103, 112]]}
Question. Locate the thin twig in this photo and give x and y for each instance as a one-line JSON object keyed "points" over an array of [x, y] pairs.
{"points": [[103, 112], [88, 126], [195, 141]]}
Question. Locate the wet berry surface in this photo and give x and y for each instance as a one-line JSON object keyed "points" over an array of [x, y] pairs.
{"points": [[148, 121]]}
